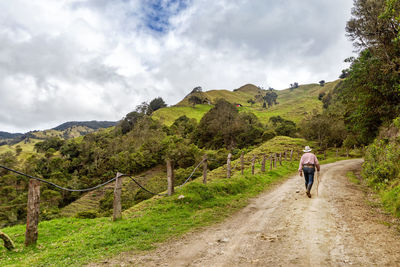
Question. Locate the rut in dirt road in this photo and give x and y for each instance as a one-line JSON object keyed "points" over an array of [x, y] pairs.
{"points": [[285, 228]]}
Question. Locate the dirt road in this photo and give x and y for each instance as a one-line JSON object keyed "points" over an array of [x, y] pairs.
{"points": [[285, 228]]}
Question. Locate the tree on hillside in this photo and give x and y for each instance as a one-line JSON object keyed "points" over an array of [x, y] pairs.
{"points": [[219, 126], [259, 97], [322, 83], [375, 25], [294, 85], [251, 101], [270, 98], [223, 126], [326, 129], [129, 120], [197, 89], [143, 108], [156, 104], [183, 126], [195, 100], [18, 150], [344, 74], [283, 127]]}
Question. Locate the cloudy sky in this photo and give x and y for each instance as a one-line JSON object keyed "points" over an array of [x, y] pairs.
{"points": [[63, 60]]}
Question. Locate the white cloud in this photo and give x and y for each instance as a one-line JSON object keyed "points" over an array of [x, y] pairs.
{"points": [[84, 60]]}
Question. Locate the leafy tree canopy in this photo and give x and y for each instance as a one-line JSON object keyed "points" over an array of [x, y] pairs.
{"points": [[156, 104], [195, 100], [370, 93], [223, 126]]}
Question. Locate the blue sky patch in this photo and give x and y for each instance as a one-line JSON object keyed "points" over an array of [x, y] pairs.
{"points": [[158, 12]]}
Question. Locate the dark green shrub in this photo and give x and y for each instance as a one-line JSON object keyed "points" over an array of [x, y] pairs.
{"points": [[88, 214]]}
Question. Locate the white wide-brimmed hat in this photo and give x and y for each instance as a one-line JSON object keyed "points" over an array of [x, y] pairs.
{"points": [[307, 149]]}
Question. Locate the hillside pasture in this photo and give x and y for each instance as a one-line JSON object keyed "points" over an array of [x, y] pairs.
{"points": [[292, 104]]}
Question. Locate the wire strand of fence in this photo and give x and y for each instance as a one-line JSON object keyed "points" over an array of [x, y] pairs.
{"points": [[97, 186], [236, 164], [190, 176], [136, 182], [58, 186]]}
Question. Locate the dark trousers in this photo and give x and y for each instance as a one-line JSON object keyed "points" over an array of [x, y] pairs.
{"points": [[309, 177]]}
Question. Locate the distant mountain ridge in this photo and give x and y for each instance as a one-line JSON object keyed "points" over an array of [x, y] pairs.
{"points": [[95, 125], [67, 130], [6, 135], [90, 124]]}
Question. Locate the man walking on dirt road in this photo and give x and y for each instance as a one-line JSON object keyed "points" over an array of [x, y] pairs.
{"points": [[308, 163]]}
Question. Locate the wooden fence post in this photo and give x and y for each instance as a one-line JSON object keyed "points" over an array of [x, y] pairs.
{"points": [[285, 153], [205, 169], [337, 152], [280, 158], [275, 159], [117, 198], [170, 177], [242, 163], [228, 166], [270, 162], [291, 155], [32, 216], [253, 160], [263, 163], [347, 152], [324, 154]]}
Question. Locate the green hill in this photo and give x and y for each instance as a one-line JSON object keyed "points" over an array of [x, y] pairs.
{"points": [[292, 104]]}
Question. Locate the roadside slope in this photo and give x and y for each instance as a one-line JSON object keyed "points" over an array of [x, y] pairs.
{"points": [[285, 228]]}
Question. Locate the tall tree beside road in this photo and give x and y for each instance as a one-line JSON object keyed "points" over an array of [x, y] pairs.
{"points": [[371, 90]]}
